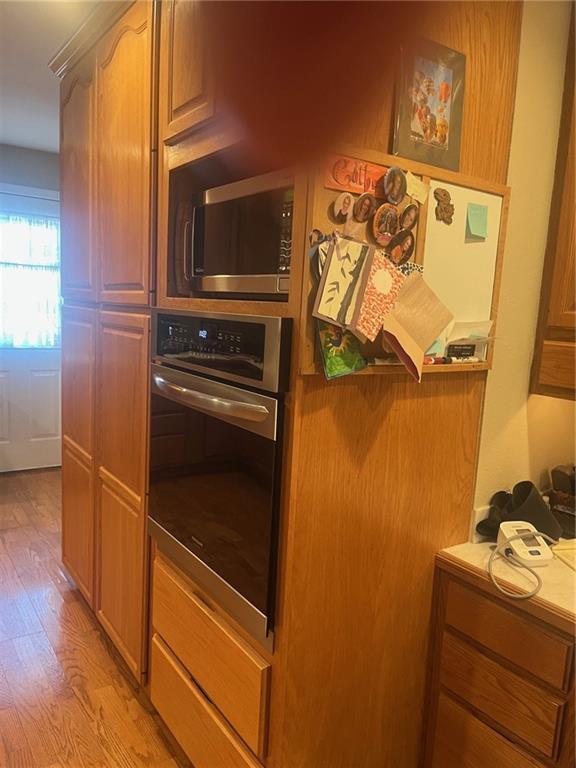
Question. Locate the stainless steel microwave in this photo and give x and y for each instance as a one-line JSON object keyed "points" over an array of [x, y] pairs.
{"points": [[235, 240]]}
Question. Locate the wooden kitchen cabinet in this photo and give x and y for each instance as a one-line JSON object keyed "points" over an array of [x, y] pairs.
{"points": [[79, 273], [123, 157], [121, 517], [78, 444], [501, 687], [553, 370], [185, 91]]}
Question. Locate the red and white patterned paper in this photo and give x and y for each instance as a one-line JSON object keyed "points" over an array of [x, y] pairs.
{"points": [[382, 288]]}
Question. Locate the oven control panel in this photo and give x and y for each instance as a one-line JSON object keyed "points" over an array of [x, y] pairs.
{"points": [[245, 349], [177, 335]]}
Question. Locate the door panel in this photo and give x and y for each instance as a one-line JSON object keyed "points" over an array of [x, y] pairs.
{"points": [[123, 397], [121, 520], [185, 94], [121, 593], [123, 123], [79, 272], [78, 376], [30, 435], [78, 518]]}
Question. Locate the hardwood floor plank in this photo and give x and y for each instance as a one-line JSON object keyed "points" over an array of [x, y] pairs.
{"points": [[15, 751], [65, 700], [17, 615]]}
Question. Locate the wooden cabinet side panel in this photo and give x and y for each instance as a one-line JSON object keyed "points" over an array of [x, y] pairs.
{"points": [[79, 274], [123, 123], [365, 522]]}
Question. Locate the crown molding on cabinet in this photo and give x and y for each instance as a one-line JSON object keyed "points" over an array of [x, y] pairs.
{"points": [[95, 26]]}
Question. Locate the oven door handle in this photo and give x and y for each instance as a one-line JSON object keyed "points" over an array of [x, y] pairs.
{"points": [[211, 404]]}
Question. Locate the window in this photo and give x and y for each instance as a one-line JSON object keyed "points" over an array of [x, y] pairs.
{"points": [[29, 281]]}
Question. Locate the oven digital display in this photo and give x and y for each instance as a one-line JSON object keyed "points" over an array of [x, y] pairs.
{"points": [[203, 333]]}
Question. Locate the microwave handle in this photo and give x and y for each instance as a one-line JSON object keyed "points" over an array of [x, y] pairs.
{"points": [[211, 404], [185, 254]]}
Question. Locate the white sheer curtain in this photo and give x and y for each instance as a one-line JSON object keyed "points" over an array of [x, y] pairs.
{"points": [[29, 281]]}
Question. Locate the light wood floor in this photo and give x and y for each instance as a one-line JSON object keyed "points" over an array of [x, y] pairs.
{"points": [[64, 700]]}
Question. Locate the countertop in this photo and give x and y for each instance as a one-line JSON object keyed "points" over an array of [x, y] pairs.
{"points": [[558, 579]]}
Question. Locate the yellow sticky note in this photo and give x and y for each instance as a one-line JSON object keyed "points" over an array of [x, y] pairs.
{"points": [[417, 188]]}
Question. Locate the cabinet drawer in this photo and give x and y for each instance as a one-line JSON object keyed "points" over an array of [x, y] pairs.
{"points": [[231, 673], [519, 640], [463, 741], [196, 725], [521, 708]]}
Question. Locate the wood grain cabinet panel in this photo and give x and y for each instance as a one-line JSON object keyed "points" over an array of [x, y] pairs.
{"points": [[553, 369], [510, 701], [463, 741], [121, 572], [123, 157], [78, 444], [512, 636], [224, 666], [201, 732], [79, 326], [558, 364], [123, 392], [186, 96], [78, 518], [79, 274], [121, 518]]}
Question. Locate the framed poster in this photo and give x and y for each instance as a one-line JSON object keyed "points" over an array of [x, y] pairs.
{"points": [[429, 104]]}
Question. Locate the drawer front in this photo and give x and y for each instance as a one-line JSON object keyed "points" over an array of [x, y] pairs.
{"points": [[232, 674], [521, 708], [196, 725], [463, 741], [517, 639]]}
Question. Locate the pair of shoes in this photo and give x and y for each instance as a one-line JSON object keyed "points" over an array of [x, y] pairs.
{"points": [[524, 503]]}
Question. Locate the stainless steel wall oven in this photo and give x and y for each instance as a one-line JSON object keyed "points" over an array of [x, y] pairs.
{"points": [[217, 399]]}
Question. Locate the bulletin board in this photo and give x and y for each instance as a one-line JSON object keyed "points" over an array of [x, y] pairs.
{"points": [[462, 267], [461, 270]]}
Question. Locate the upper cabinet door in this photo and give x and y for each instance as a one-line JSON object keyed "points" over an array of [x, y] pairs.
{"points": [[186, 97], [79, 272], [562, 307], [123, 157], [553, 369]]}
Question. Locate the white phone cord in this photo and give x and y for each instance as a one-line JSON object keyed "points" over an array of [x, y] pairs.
{"points": [[510, 558]]}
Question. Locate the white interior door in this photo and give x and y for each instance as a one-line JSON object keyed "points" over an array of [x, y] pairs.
{"points": [[29, 328], [30, 434]]}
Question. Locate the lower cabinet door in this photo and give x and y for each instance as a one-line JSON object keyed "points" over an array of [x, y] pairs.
{"points": [[199, 729], [463, 741], [78, 517], [122, 578], [122, 418]]}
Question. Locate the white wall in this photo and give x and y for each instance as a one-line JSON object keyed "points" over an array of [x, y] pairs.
{"points": [[29, 167], [523, 436]]}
